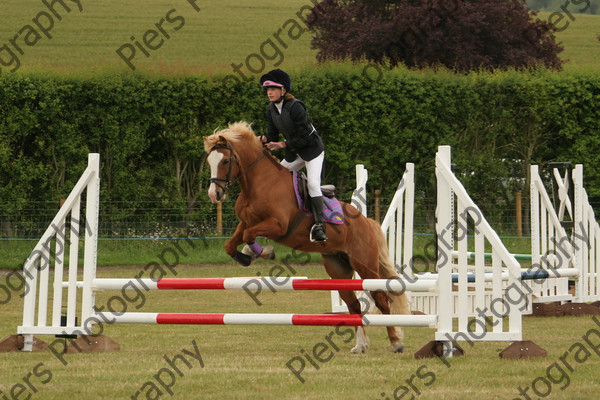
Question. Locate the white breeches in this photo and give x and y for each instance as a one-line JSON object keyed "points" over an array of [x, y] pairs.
{"points": [[313, 172]]}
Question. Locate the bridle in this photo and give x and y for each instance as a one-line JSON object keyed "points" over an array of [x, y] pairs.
{"points": [[227, 182]]}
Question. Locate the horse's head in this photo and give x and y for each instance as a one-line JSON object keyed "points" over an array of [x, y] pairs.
{"points": [[223, 165], [227, 156]]}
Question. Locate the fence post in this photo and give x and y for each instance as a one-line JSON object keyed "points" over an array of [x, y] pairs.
{"points": [[220, 218], [518, 214], [377, 207]]}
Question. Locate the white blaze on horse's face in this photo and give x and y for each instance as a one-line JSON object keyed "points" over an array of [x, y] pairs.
{"points": [[214, 159]]}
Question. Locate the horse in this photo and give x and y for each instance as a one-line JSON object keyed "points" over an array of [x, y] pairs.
{"points": [[267, 206]]}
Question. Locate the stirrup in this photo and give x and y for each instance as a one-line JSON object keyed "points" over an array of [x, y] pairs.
{"points": [[312, 238]]}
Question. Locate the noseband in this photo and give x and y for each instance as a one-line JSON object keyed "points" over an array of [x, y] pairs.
{"points": [[228, 181]]}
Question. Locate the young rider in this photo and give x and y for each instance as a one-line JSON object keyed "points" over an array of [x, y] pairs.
{"points": [[303, 146]]}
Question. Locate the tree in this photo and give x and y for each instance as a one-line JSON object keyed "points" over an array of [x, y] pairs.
{"points": [[461, 35]]}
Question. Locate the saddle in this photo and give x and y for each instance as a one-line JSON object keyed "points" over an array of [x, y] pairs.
{"points": [[332, 210]]}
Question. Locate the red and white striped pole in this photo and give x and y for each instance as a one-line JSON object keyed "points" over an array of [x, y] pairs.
{"points": [[271, 282], [275, 319]]}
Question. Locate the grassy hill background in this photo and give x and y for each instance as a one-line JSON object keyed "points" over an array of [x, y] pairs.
{"points": [[209, 40], [199, 42]]}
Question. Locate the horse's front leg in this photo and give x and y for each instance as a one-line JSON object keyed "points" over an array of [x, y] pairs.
{"points": [[270, 227], [233, 243]]}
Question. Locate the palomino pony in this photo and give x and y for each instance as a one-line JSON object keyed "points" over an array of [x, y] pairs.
{"points": [[267, 207]]}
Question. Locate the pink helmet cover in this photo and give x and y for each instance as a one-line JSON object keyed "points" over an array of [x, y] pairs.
{"points": [[272, 84]]}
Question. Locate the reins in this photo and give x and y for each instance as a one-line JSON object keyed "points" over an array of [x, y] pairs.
{"points": [[230, 182]]}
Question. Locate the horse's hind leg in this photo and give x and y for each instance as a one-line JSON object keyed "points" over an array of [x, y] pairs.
{"points": [[337, 267], [399, 304], [382, 301]]}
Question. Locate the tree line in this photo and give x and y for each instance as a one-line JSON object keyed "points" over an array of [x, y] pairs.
{"points": [[149, 130]]}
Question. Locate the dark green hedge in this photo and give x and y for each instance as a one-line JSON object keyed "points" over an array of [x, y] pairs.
{"points": [[149, 130]]}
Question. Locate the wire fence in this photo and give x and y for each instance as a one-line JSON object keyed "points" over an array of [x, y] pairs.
{"points": [[175, 219]]}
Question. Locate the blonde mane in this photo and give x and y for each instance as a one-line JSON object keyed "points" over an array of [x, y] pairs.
{"points": [[234, 133]]}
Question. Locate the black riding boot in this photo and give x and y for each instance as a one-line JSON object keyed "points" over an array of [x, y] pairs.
{"points": [[317, 233]]}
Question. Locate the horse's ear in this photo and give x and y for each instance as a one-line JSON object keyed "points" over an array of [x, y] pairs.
{"points": [[222, 140]]}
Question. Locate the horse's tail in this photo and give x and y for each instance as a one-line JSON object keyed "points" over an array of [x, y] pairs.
{"points": [[398, 300]]}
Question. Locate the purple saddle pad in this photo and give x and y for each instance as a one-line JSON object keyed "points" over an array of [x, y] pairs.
{"points": [[332, 208]]}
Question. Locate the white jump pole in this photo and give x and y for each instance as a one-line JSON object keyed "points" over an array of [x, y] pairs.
{"points": [[276, 319], [270, 283]]}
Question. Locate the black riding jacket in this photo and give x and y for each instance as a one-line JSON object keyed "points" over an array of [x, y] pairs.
{"points": [[301, 137]]}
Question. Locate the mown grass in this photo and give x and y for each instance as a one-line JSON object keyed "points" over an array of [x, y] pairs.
{"points": [[242, 362], [123, 252], [208, 42], [580, 42]]}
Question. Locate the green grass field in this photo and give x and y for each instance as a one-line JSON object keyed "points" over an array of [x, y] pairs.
{"points": [[207, 41], [200, 251], [250, 362], [243, 362]]}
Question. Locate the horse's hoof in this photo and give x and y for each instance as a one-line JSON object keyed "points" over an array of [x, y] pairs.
{"points": [[248, 251], [397, 347], [359, 349], [268, 253], [243, 259]]}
